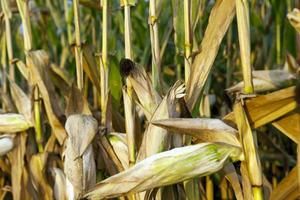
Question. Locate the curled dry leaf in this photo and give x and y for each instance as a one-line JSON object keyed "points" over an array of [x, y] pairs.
{"points": [[79, 164], [38, 63], [166, 168], [11, 123], [206, 130]]}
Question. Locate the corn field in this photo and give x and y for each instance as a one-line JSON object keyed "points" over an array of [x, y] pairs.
{"points": [[150, 99]]}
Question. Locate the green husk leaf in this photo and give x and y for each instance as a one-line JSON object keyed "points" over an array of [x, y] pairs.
{"points": [[166, 168], [11, 122]]}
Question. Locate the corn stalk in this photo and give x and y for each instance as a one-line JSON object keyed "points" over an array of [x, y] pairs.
{"points": [[27, 35], [78, 51]]}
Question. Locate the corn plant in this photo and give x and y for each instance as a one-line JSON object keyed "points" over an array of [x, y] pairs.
{"points": [[157, 99]]}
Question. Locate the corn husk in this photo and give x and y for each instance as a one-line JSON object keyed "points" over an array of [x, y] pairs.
{"points": [[158, 139], [294, 18], [289, 125], [166, 168], [6, 144], [204, 129], [287, 186], [267, 80], [79, 164], [37, 171], [147, 97], [11, 122], [119, 144], [16, 158], [59, 190], [21, 101], [267, 108]]}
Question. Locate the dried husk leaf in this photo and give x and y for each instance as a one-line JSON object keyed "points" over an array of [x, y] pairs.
{"points": [[77, 104], [21, 101], [267, 108], [166, 168], [267, 80], [294, 18], [291, 64], [129, 112], [60, 79], [289, 125], [37, 166], [16, 157], [38, 62], [90, 66], [118, 142], [79, 164], [147, 96], [12, 122], [59, 189], [24, 12], [249, 146], [286, 186], [158, 139], [204, 129], [6, 144], [232, 177], [219, 21], [23, 69]]}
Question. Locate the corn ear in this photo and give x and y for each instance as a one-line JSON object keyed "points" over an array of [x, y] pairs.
{"points": [[79, 165], [147, 96], [11, 122], [6, 144], [166, 168]]}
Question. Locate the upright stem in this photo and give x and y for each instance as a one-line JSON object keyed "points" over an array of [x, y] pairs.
{"points": [[242, 12], [127, 22], [104, 68], [155, 47], [278, 39], [78, 52], [24, 12], [127, 95], [9, 48], [187, 38], [69, 25]]}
